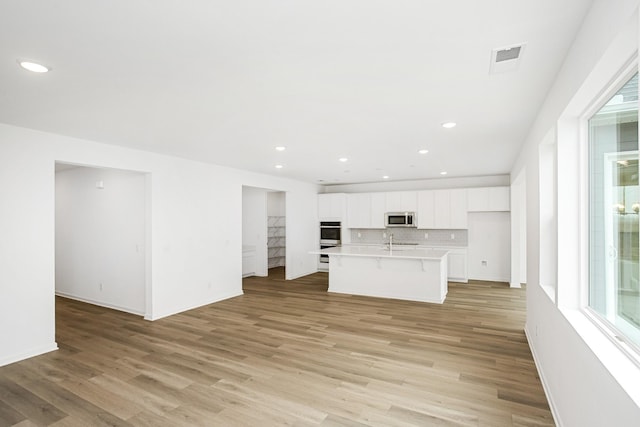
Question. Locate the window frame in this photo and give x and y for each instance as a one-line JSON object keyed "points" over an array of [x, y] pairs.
{"points": [[609, 330]]}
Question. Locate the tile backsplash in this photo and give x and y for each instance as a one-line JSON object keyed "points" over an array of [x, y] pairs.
{"points": [[410, 235]]}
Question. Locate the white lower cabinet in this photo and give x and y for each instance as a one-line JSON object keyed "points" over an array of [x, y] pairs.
{"points": [[456, 263]]}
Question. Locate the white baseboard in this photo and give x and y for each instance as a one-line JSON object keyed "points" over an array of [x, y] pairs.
{"points": [[545, 387], [28, 354], [191, 307], [100, 303], [297, 276]]}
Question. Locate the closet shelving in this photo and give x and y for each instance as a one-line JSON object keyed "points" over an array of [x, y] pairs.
{"points": [[276, 234]]}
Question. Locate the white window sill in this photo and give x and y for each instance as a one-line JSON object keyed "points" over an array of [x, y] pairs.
{"points": [[621, 367]]}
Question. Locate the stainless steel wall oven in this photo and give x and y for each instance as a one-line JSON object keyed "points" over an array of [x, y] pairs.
{"points": [[330, 232], [330, 237]]}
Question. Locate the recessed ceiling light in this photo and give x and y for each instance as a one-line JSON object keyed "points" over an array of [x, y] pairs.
{"points": [[34, 67], [343, 159], [423, 151], [385, 177], [281, 148], [443, 173], [279, 166], [449, 125]]}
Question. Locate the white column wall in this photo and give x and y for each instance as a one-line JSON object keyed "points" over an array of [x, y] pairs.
{"points": [[518, 231], [26, 251], [254, 225]]}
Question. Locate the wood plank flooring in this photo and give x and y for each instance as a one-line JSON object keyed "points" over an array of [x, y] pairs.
{"points": [[287, 353]]}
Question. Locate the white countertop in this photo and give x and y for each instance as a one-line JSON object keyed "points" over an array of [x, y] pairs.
{"points": [[400, 252], [409, 245]]}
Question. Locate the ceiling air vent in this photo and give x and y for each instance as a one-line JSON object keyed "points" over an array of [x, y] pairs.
{"points": [[506, 59]]}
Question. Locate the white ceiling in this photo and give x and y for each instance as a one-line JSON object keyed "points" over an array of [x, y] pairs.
{"points": [[227, 81]]}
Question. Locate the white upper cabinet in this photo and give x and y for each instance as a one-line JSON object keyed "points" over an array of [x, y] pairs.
{"points": [[426, 209], [500, 198], [443, 209], [458, 208], [488, 199], [359, 210], [366, 210], [401, 201], [478, 199], [332, 206], [378, 209], [435, 209]]}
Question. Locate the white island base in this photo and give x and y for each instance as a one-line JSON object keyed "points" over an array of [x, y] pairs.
{"points": [[401, 275]]}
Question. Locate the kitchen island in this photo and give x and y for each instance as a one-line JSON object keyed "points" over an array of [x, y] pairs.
{"points": [[409, 274]]}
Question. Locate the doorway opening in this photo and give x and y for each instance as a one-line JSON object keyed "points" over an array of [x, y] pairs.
{"points": [[264, 236], [101, 237], [277, 232]]}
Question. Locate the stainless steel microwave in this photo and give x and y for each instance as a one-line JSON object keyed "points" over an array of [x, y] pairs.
{"points": [[400, 219]]}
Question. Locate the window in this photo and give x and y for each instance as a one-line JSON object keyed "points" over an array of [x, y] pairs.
{"points": [[614, 210]]}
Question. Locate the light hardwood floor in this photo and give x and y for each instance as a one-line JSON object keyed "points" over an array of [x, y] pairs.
{"points": [[287, 353]]}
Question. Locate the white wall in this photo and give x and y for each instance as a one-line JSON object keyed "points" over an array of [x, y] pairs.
{"points": [[519, 230], [276, 204], [194, 247], [100, 237], [547, 214], [302, 220], [26, 250], [587, 380], [254, 225], [489, 241]]}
